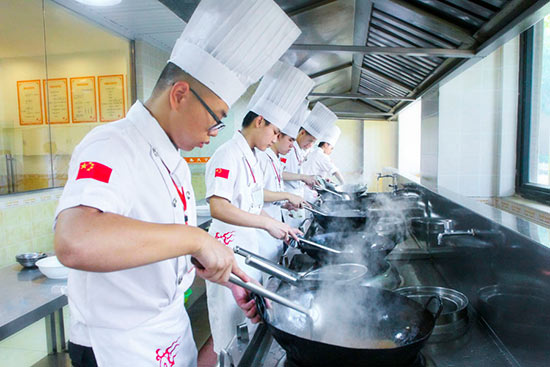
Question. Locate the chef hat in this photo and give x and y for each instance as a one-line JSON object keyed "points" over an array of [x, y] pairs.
{"points": [[228, 45], [293, 127], [319, 120], [279, 94], [332, 135]]}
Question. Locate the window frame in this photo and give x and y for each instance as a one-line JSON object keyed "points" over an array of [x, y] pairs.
{"points": [[525, 188]]}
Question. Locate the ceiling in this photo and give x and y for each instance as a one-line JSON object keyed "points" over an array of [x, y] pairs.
{"points": [[369, 58]]}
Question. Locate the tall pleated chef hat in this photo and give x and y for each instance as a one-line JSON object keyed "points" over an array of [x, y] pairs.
{"points": [[332, 135], [228, 45], [297, 120], [319, 121], [279, 94]]}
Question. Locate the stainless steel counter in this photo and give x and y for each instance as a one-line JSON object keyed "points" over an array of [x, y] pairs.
{"points": [[28, 296]]}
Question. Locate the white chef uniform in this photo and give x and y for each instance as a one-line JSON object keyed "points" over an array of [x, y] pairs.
{"points": [[319, 163], [272, 170], [133, 317], [232, 173]]}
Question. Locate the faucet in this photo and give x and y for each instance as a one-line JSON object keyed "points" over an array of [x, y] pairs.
{"points": [[450, 233], [393, 180]]}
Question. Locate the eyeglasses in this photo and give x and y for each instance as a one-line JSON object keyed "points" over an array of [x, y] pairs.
{"points": [[219, 124]]}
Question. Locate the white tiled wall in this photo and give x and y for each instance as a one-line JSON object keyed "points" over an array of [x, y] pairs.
{"points": [[149, 63], [477, 127], [429, 138]]}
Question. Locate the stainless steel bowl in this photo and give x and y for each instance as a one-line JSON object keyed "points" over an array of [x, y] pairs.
{"points": [[28, 259]]}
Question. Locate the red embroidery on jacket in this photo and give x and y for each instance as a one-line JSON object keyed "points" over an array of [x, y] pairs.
{"points": [[167, 359], [227, 237]]}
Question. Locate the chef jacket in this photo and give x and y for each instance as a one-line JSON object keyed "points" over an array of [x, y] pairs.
{"points": [[135, 316], [232, 173], [293, 161], [272, 170], [319, 163]]}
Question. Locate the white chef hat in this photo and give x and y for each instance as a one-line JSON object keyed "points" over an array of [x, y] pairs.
{"points": [[332, 135], [279, 94], [293, 127], [228, 45], [319, 120]]}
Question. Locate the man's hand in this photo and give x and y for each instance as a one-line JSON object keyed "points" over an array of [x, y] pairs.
{"points": [[280, 230], [245, 302], [309, 180], [214, 262], [295, 200]]}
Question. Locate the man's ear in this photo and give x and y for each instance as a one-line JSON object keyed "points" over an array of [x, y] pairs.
{"points": [[258, 121], [179, 92]]}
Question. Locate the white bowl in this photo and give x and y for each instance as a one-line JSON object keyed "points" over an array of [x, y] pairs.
{"points": [[52, 268]]}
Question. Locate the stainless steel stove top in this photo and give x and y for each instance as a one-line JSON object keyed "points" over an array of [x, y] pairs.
{"points": [[474, 345]]}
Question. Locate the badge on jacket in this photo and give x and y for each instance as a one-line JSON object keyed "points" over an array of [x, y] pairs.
{"points": [[95, 171], [221, 172]]}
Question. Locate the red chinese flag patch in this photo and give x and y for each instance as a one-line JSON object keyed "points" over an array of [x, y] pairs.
{"points": [[221, 172], [283, 160], [95, 171]]}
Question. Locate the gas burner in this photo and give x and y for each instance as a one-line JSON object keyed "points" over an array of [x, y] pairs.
{"points": [[421, 361]]}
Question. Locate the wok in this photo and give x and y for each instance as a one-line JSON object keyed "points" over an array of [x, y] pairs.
{"points": [[338, 273], [355, 247], [338, 219], [354, 326]]}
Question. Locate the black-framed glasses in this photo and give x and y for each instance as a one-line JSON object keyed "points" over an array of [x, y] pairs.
{"points": [[219, 124]]}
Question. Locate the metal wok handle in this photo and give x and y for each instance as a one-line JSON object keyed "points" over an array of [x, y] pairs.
{"points": [[314, 210], [319, 246], [258, 289], [439, 308], [268, 266]]}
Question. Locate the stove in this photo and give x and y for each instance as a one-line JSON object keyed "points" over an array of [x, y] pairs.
{"points": [[408, 264]]}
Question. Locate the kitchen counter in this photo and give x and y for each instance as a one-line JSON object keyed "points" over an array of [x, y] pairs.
{"points": [[28, 296]]}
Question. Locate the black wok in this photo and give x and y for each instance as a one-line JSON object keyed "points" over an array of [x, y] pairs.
{"points": [[356, 247], [338, 219], [383, 328]]}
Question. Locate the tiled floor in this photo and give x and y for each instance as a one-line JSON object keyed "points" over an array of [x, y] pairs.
{"points": [[28, 346]]}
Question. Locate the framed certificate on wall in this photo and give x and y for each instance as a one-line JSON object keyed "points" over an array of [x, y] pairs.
{"points": [[83, 99], [112, 106], [56, 101], [29, 99]]}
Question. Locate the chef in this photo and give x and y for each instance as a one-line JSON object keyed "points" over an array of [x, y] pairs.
{"points": [[234, 188], [126, 220], [318, 161], [286, 87], [314, 126]]}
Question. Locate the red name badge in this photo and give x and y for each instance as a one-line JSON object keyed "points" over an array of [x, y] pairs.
{"points": [[95, 171], [221, 172]]}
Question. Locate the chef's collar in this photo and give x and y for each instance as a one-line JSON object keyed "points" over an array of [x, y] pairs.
{"points": [[245, 148], [297, 147], [155, 135], [272, 154]]}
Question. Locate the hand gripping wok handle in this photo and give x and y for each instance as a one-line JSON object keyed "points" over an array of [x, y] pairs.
{"points": [[267, 266], [258, 289]]}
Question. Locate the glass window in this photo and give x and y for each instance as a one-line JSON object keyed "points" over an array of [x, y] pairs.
{"points": [[55, 86], [534, 102]]}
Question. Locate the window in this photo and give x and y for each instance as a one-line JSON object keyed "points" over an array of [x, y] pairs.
{"points": [[55, 86], [534, 114]]}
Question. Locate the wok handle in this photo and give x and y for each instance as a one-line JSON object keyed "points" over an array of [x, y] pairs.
{"points": [[319, 246], [258, 289], [268, 266], [314, 210], [439, 308]]}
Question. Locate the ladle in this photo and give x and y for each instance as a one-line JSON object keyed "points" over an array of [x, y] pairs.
{"points": [[319, 246]]}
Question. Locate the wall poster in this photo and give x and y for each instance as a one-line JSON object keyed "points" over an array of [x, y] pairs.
{"points": [[111, 97], [83, 99], [29, 98], [56, 101]]}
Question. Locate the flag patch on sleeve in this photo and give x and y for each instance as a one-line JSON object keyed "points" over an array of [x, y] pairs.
{"points": [[95, 171], [221, 172]]}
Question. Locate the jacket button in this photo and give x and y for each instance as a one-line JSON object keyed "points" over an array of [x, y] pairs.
{"points": [[174, 202], [180, 279], [188, 195]]}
